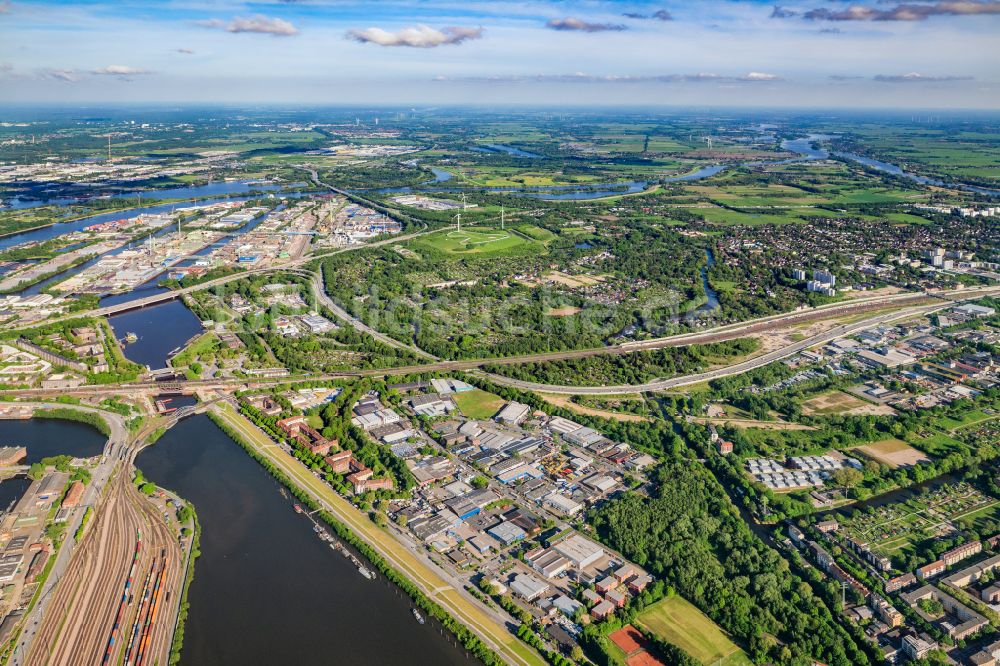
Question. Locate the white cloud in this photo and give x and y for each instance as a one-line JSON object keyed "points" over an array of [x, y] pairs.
{"points": [[267, 25], [120, 70], [571, 23], [658, 15], [582, 77], [905, 12], [420, 36]]}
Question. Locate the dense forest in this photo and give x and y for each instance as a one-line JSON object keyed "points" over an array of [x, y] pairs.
{"points": [[633, 368], [689, 534]]}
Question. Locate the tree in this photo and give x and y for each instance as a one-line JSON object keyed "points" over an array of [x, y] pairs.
{"points": [[847, 477], [931, 606], [479, 482]]}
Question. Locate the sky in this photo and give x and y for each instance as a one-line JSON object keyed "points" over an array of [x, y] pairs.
{"points": [[806, 53]]}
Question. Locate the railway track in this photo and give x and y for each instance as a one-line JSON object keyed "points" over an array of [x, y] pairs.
{"points": [[79, 623]]}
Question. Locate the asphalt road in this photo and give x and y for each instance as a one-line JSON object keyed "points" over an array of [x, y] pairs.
{"points": [[719, 334], [177, 293], [319, 292], [412, 563]]}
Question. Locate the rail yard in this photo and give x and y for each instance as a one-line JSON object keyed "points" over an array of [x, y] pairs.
{"points": [[117, 601]]}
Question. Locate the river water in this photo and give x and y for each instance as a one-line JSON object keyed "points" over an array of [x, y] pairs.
{"points": [[43, 438], [713, 297], [804, 147], [266, 590], [510, 150], [160, 330], [52, 437], [188, 192], [60, 228], [11, 490]]}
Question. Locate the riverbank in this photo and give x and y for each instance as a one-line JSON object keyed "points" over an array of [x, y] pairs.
{"points": [[177, 642], [91, 418], [19, 286], [153, 202], [490, 642]]}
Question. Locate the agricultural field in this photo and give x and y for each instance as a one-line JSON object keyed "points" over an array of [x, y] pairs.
{"points": [[759, 195], [893, 453], [677, 621], [514, 177], [968, 154], [725, 216]]}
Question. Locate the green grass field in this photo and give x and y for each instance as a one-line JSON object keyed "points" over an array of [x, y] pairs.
{"points": [[832, 402], [726, 216], [203, 345], [677, 621], [939, 445], [478, 404], [968, 419], [480, 242], [536, 233]]}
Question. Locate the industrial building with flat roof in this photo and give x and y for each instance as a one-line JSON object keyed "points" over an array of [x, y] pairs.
{"points": [[580, 551]]}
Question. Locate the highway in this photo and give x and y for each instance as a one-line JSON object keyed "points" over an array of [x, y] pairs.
{"points": [[155, 299], [726, 371], [319, 291], [718, 334]]}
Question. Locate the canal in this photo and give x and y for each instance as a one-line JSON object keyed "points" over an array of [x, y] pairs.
{"points": [[266, 590], [713, 297], [160, 329]]}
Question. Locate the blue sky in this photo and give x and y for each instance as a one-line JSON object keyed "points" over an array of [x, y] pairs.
{"points": [[813, 53]]}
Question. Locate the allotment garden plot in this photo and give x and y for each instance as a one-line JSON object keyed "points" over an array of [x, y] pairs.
{"points": [[898, 527]]}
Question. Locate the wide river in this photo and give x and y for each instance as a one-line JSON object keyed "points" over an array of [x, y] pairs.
{"points": [[266, 590]]}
